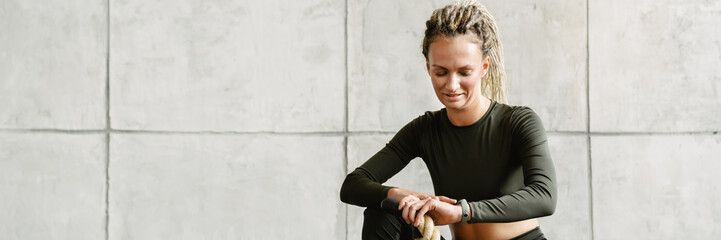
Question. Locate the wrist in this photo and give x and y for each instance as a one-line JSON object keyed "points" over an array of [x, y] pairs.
{"points": [[391, 192], [465, 210], [459, 213]]}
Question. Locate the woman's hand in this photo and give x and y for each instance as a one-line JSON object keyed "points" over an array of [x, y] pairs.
{"points": [[406, 197], [441, 209]]}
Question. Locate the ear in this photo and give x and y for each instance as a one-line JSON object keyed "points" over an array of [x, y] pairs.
{"points": [[428, 68], [486, 65]]}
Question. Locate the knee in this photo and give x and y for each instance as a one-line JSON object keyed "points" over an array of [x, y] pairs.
{"points": [[379, 215], [378, 224], [375, 213]]}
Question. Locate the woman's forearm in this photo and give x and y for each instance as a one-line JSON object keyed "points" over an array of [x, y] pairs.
{"points": [[360, 190]]}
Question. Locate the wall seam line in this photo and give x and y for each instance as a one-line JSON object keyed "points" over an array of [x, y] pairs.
{"points": [[334, 133], [346, 117], [588, 120], [107, 121]]}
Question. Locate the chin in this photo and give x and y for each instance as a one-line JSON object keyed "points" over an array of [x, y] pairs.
{"points": [[459, 104], [453, 105]]}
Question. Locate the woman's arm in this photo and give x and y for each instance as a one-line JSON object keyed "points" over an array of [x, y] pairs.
{"points": [[538, 197], [363, 187]]}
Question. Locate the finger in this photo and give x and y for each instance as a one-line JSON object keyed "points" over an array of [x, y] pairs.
{"points": [[447, 200], [401, 202], [421, 222], [406, 200], [414, 209], [406, 213], [411, 212], [426, 207]]}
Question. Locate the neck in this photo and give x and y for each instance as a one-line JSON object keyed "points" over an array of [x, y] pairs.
{"points": [[471, 114]]}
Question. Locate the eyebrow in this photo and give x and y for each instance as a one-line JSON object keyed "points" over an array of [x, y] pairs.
{"points": [[463, 67]]}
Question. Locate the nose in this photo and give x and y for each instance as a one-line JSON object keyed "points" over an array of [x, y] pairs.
{"points": [[454, 82]]}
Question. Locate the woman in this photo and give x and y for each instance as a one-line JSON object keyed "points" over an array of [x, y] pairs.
{"points": [[489, 161]]}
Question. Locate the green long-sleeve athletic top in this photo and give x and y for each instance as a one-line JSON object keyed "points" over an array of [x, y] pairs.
{"points": [[500, 164]]}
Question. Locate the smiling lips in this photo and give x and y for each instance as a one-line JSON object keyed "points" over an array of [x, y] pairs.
{"points": [[453, 96]]}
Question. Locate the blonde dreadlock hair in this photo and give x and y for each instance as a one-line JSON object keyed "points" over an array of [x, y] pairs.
{"points": [[470, 16]]}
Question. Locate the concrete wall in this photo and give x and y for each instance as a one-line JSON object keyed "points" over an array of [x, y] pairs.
{"points": [[199, 119]]}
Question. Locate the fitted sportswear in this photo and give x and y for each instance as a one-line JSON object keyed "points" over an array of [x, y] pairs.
{"points": [[500, 164]]}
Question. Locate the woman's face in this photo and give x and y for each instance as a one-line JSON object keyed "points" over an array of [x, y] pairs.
{"points": [[456, 66]]}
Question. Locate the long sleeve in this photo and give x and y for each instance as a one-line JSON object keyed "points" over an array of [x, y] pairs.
{"points": [[538, 197], [363, 187]]}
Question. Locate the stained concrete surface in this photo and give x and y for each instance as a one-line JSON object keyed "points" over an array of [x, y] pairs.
{"points": [[226, 187], [52, 64], [544, 45], [654, 66], [52, 186], [656, 187], [227, 65]]}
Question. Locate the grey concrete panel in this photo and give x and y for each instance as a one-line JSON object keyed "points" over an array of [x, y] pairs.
{"points": [[389, 85], [544, 45], [572, 218], [52, 64], [654, 65], [656, 187], [228, 65], [184, 186], [52, 186], [414, 177]]}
